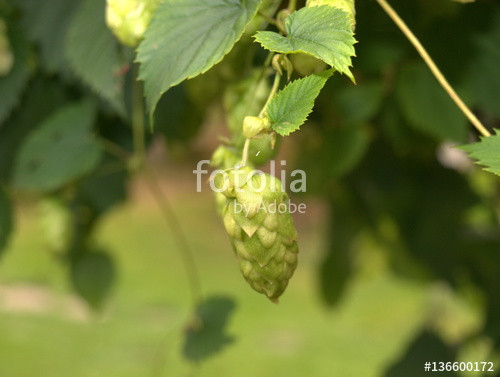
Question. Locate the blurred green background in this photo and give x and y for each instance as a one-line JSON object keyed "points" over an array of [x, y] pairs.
{"points": [[399, 258], [46, 328]]}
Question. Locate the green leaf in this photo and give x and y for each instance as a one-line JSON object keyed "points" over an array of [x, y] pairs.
{"points": [[61, 149], [92, 53], [44, 97], [93, 274], [289, 109], [487, 152], [186, 38], [324, 32], [426, 105], [12, 85], [5, 219]]}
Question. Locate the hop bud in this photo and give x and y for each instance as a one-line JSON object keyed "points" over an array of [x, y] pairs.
{"points": [[225, 157], [261, 229], [252, 126], [129, 19]]}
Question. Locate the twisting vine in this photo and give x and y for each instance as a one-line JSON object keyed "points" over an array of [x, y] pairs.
{"points": [[433, 67]]}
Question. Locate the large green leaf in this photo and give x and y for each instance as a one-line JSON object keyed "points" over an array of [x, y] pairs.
{"points": [[324, 32], [60, 150], [5, 219], [487, 152], [427, 106], [92, 53], [186, 38], [12, 85], [289, 109]]}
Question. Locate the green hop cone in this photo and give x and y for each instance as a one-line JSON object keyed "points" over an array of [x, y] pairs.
{"points": [[261, 229], [129, 19], [345, 5], [56, 222]]}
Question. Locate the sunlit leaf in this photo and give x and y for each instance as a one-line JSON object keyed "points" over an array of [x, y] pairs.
{"points": [[486, 152], [289, 109], [186, 38], [324, 32]]}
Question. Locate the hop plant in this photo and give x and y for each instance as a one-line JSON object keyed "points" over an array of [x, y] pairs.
{"points": [[223, 158], [129, 19], [261, 229], [345, 5]]}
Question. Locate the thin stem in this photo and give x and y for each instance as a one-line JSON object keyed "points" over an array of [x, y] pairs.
{"points": [[244, 155], [114, 149], [180, 238], [262, 75], [268, 19], [433, 67], [138, 128], [274, 89], [292, 5]]}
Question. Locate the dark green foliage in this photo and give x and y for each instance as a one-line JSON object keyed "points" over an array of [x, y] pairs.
{"points": [[425, 347], [12, 85], [44, 97], [177, 116]]}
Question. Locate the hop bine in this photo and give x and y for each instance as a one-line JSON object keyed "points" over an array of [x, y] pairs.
{"points": [[260, 227]]}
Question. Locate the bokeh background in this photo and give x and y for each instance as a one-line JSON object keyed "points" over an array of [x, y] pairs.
{"points": [[399, 249]]}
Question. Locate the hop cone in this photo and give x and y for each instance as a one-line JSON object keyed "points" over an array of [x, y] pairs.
{"points": [[345, 5], [261, 229], [129, 19]]}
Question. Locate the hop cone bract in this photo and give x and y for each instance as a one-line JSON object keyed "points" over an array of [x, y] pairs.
{"points": [[129, 19], [345, 5], [261, 229]]}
